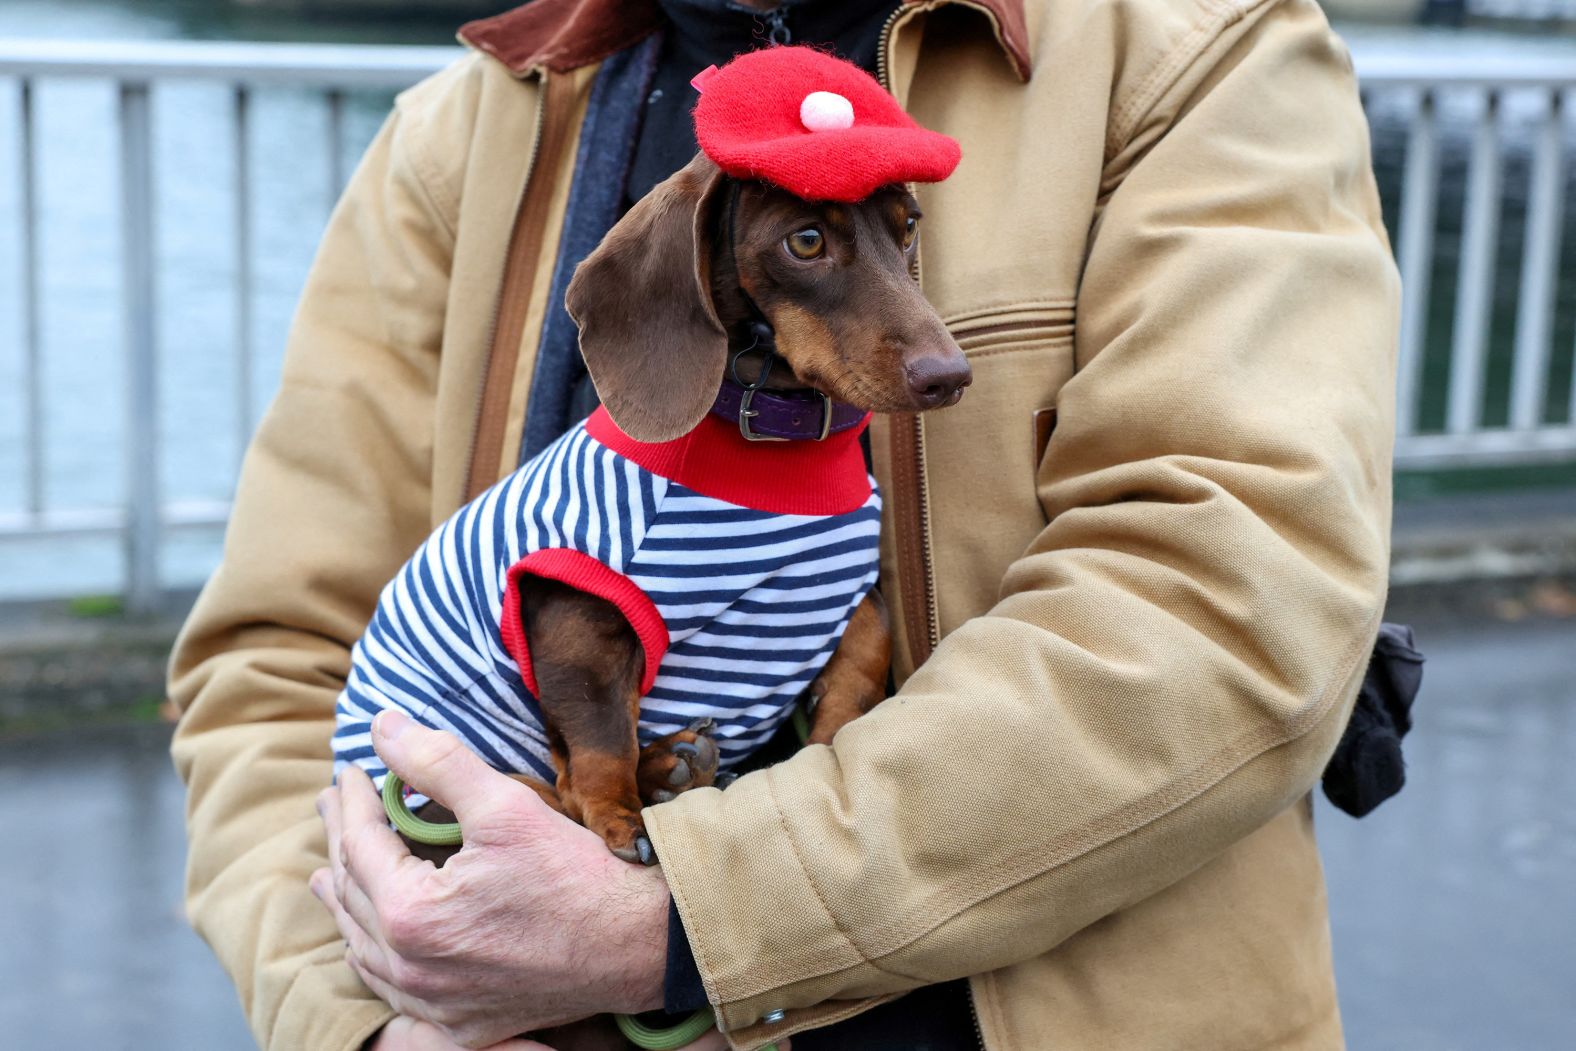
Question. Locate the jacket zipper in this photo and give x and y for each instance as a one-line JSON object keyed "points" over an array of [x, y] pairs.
{"points": [[974, 1016], [509, 310], [911, 507], [911, 502], [775, 30]]}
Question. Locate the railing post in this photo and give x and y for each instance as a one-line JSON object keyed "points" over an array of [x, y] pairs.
{"points": [[32, 368], [142, 407], [336, 145], [243, 271], [1475, 287], [1419, 201], [1539, 260]]}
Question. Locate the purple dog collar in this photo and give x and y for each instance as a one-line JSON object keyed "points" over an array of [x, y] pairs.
{"points": [[782, 416]]}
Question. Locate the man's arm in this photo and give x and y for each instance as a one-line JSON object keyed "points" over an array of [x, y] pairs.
{"points": [[334, 495], [1171, 661]]}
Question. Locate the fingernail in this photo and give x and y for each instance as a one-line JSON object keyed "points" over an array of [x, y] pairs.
{"points": [[390, 723]]}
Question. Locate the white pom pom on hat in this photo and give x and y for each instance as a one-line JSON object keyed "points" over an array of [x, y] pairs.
{"points": [[826, 111]]}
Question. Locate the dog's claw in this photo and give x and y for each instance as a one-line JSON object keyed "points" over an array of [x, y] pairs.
{"points": [[725, 778], [681, 772], [629, 854], [684, 748], [643, 847], [704, 725]]}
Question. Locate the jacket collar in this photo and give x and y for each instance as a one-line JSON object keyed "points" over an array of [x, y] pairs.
{"points": [[561, 35]]}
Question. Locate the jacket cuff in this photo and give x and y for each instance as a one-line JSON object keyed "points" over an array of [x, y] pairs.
{"points": [[682, 990], [775, 947]]}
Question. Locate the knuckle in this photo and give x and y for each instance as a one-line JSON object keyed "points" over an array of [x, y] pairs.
{"points": [[411, 979], [403, 928]]}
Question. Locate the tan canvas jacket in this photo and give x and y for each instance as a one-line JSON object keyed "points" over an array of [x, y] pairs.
{"points": [[1126, 645]]}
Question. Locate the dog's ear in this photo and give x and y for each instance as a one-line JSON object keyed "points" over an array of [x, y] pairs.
{"points": [[648, 328]]}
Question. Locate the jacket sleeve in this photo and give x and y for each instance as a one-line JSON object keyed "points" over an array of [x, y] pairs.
{"points": [[334, 495], [1171, 662]]}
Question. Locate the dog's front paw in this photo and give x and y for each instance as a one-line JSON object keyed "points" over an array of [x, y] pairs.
{"points": [[622, 830], [679, 762]]}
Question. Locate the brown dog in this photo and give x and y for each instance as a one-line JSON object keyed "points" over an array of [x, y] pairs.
{"points": [[673, 293]]}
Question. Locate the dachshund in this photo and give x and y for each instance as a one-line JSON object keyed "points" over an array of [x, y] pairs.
{"points": [[710, 299]]}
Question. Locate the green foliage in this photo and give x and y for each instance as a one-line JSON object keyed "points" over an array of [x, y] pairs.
{"points": [[96, 606]]}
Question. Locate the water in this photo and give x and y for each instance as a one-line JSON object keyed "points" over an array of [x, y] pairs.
{"points": [[79, 251]]}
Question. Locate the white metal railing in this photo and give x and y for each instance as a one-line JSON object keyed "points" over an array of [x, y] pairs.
{"points": [[134, 67], [1539, 88], [1418, 80], [1535, 11]]}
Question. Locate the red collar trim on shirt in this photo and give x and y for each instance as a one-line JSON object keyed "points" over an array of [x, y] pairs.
{"points": [[788, 478]]}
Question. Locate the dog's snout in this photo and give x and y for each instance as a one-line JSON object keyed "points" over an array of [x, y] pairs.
{"points": [[936, 381]]}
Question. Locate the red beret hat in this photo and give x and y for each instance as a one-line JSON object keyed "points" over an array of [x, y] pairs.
{"points": [[814, 125]]}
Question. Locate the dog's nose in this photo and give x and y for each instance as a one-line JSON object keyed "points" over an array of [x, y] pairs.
{"points": [[938, 381]]}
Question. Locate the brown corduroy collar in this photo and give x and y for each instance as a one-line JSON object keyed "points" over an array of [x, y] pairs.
{"points": [[561, 35]]}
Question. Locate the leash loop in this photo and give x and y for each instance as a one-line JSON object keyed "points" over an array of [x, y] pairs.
{"points": [[409, 825]]}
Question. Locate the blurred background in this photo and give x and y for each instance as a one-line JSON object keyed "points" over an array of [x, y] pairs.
{"points": [[166, 167]]}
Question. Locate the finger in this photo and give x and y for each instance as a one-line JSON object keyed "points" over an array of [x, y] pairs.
{"points": [[441, 767], [328, 807], [385, 991], [369, 849], [354, 901], [349, 892], [328, 810], [362, 946]]}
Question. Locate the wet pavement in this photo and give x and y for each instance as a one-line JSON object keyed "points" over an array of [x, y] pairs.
{"points": [[1454, 906]]}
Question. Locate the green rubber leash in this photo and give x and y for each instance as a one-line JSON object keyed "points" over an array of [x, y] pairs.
{"points": [[801, 723], [669, 1039]]}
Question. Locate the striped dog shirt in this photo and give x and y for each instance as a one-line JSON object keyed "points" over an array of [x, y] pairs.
{"points": [[738, 564]]}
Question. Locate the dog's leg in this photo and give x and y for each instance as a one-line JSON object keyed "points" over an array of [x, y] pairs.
{"points": [[588, 665], [855, 678]]}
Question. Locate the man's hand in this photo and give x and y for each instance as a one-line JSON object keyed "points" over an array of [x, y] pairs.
{"points": [[532, 924]]}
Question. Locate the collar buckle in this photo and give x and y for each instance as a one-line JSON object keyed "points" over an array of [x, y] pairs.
{"points": [[746, 414]]}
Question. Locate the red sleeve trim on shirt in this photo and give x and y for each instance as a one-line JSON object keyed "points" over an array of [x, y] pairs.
{"points": [[583, 573]]}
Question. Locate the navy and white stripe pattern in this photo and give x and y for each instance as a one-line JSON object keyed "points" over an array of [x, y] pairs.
{"points": [[754, 602]]}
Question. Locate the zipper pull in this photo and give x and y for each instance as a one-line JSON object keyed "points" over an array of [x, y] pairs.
{"points": [[777, 31]]}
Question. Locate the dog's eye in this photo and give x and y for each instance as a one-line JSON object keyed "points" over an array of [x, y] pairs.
{"points": [[910, 231], [806, 244]]}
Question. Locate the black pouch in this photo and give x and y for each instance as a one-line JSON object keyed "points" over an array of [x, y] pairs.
{"points": [[1367, 767]]}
